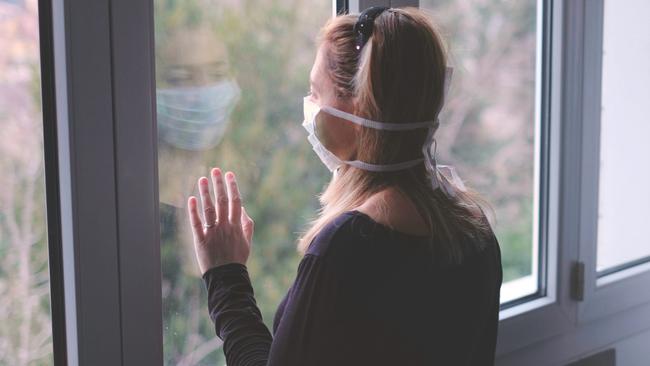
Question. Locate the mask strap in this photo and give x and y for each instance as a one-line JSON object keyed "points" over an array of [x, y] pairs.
{"points": [[450, 179], [374, 124], [387, 125], [430, 161], [442, 176], [382, 167]]}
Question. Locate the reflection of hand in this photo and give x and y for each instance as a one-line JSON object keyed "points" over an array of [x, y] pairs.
{"points": [[227, 234]]}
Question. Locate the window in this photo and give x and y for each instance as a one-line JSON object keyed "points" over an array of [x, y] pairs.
{"points": [[623, 194], [491, 125], [230, 78], [25, 321]]}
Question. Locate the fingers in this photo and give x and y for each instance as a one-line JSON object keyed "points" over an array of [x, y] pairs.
{"points": [[247, 225], [234, 199], [209, 212], [220, 194], [195, 219]]}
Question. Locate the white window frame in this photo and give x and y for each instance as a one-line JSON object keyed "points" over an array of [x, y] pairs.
{"points": [[102, 191], [626, 288]]}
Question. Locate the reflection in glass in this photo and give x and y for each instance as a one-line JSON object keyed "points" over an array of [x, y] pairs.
{"points": [[195, 96], [25, 320], [230, 79], [624, 174], [489, 124]]}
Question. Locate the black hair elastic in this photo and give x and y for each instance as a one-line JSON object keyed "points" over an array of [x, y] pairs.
{"points": [[363, 27]]}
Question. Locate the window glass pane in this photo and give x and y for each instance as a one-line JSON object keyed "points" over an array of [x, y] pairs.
{"points": [[623, 216], [489, 125], [230, 80], [25, 321]]}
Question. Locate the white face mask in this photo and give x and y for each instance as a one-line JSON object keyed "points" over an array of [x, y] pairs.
{"points": [[443, 176], [195, 117]]}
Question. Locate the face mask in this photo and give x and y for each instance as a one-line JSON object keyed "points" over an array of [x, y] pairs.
{"points": [[316, 118], [195, 118]]}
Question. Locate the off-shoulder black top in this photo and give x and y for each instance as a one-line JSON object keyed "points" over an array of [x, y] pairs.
{"points": [[364, 294]]}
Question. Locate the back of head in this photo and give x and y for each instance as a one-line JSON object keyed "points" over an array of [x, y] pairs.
{"points": [[400, 72], [397, 77]]}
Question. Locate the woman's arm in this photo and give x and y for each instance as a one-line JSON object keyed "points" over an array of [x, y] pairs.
{"points": [[236, 317], [309, 333], [222, 244]]}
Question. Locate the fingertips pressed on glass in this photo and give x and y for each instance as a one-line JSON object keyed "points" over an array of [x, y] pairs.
{"points": [[233, 190], [232, 184], [217, 177]]}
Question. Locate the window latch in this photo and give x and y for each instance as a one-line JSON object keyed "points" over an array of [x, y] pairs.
{"points": [[578, 281]]}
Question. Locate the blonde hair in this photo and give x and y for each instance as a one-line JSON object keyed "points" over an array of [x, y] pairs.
{"points": [[398, 76]]}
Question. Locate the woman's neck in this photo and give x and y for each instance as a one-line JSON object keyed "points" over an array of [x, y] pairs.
{"points": [[392, 208]]}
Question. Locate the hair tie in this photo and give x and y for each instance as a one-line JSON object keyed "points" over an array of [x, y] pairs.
{"points": [[364, 25]]}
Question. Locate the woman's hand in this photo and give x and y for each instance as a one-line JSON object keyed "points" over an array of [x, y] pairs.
{"points": [[227, 234]]}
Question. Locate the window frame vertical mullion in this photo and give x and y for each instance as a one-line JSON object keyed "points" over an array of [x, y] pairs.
{"points": [[136, 174], [106, 137]]}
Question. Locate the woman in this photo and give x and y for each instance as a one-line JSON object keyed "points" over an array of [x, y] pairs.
{"points": [[401, 266]]}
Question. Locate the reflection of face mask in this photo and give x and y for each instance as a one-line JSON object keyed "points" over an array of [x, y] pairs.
{"points": [[316, 118], [195, 118]]}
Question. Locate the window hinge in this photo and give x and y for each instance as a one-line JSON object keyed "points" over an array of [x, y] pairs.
{"points": [[578, 281]]}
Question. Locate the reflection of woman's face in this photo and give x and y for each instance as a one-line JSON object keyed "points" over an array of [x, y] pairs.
{"points": [[192, 57], [337, 135], [185, 74]]}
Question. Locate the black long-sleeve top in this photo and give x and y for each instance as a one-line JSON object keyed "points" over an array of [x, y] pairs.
{"points": [[364, 294]]}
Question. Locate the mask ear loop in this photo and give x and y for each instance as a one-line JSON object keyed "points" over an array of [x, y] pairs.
{"points": [[430, 161], [447, 183], [439, 182], [438, 178]]}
